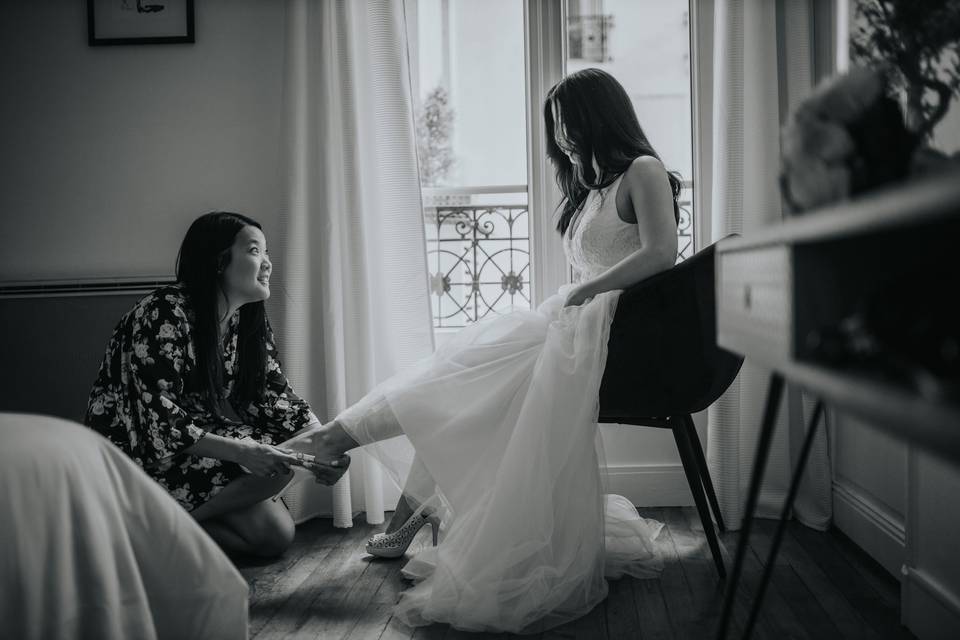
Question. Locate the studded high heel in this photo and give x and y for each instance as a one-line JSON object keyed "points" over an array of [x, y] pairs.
{"points": [[394, 545]]}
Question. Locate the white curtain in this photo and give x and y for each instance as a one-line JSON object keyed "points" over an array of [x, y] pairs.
{"points": [[762, 68], [351, 256]]}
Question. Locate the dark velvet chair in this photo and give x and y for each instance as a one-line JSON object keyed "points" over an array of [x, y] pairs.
{"points": [[663, 365]]}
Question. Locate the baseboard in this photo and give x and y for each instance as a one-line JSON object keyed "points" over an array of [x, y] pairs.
{"points": [[645, 485], [929, 609], [650, 485], [878, 532]]}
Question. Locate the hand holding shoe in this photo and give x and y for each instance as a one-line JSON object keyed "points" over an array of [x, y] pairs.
{"points": [[328, 472], [263, 459]]}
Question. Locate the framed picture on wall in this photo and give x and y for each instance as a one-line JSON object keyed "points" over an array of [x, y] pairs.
{"points": [[112, 22]]}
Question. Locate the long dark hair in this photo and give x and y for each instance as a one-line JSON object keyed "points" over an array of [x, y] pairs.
{"points": [[204, 254], [600, 122]]}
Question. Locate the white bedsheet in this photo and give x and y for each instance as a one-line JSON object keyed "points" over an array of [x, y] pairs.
{"points": [[91, 547]]}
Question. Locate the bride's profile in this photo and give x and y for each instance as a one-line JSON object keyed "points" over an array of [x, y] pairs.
{"points": [[503, 416]]}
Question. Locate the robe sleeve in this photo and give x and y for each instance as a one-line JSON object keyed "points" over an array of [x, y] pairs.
{"points": [[159, 356], [280, 413]]}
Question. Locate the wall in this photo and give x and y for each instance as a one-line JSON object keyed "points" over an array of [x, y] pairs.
{"points": [[109, 152], [26, 382], [870, 490]]}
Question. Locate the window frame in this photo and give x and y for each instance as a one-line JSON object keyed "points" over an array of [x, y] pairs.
{"points": [[701, 104], [545, 59]]}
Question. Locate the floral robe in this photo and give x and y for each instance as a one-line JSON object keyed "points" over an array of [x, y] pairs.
{"points": [[149, 402]]}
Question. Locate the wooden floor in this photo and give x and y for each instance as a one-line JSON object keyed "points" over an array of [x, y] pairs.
{"points": [[823, 588]]}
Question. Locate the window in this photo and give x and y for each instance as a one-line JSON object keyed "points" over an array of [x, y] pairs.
{"points": [[645, 44], [488, 189], [467, 59]]}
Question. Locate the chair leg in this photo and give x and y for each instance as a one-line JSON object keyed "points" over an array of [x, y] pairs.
{"points": [[687, 457], [704, 470]]}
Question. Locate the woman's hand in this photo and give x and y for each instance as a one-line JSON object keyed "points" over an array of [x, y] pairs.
{"points": [[328, 472], [264, 460], [580, 294], [324, 471]]}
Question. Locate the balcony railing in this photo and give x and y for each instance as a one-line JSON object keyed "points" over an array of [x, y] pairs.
{"points": [[478, 250], [685, 246]]}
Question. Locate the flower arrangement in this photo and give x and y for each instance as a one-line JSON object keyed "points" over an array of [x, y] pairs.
{"points": [[848, 137], [872, 125]]}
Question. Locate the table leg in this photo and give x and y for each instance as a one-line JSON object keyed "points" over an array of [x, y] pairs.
{"points": [[774, 393], [784, 515]]}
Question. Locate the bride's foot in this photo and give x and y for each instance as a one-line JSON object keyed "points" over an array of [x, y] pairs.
{"points": [[394, 544], [401, 514]]}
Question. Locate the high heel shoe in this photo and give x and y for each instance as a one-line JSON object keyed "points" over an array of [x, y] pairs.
{"points": [[394, 545]]}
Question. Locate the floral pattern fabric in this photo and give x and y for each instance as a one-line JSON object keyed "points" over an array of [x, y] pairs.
{"points": [[148, 399]]}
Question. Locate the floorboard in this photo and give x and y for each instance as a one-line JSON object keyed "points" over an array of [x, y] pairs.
{"points": [[326, 587], [874, 606]]}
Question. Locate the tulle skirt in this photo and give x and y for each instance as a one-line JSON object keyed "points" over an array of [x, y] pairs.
{"points": [[503, 419]]}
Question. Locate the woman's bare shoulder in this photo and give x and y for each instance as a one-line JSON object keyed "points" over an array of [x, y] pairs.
{"points": [[646, 175], [645, 172]]}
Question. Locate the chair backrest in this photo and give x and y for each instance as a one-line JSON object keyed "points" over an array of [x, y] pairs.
{"points": [[663, 358]]}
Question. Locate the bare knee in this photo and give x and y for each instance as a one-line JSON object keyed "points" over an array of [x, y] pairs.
{"points": [[260, 488], [270, 529], [237, 503]]}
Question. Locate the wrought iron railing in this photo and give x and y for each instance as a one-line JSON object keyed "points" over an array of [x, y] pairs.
{"points": [[478, 250], [685, 243]]}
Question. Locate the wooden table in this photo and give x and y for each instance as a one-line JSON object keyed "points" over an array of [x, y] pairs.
{"points": [[779, 287]]}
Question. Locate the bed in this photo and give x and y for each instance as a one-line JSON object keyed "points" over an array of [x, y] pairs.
{"points": [[91, 547]]}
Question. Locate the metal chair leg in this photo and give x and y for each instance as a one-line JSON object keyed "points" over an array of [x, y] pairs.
{"points": [[689, 460], [704, 470], [774, 392], [784, 514]]}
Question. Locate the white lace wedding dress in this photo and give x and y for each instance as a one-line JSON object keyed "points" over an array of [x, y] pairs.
{"points": [[503, 420]]}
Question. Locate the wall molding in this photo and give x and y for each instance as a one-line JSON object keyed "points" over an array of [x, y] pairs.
{"points": [[644, 485], [650, 485], [874, 528], [82, 287], [929, 609]]}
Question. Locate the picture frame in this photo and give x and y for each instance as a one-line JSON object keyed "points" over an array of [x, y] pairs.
{"points": [[122, 22]]}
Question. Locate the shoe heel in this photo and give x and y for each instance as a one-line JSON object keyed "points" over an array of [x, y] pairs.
{"points": [[395, 544]]}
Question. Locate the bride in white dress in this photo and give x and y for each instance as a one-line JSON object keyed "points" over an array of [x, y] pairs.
{"points": [[503, 417]]}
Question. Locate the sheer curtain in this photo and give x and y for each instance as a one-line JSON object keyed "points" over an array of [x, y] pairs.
{"points": [[352, 258], [762, 68]]}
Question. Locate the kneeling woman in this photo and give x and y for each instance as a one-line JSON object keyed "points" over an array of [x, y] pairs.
{"points": [[191, 388]]}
